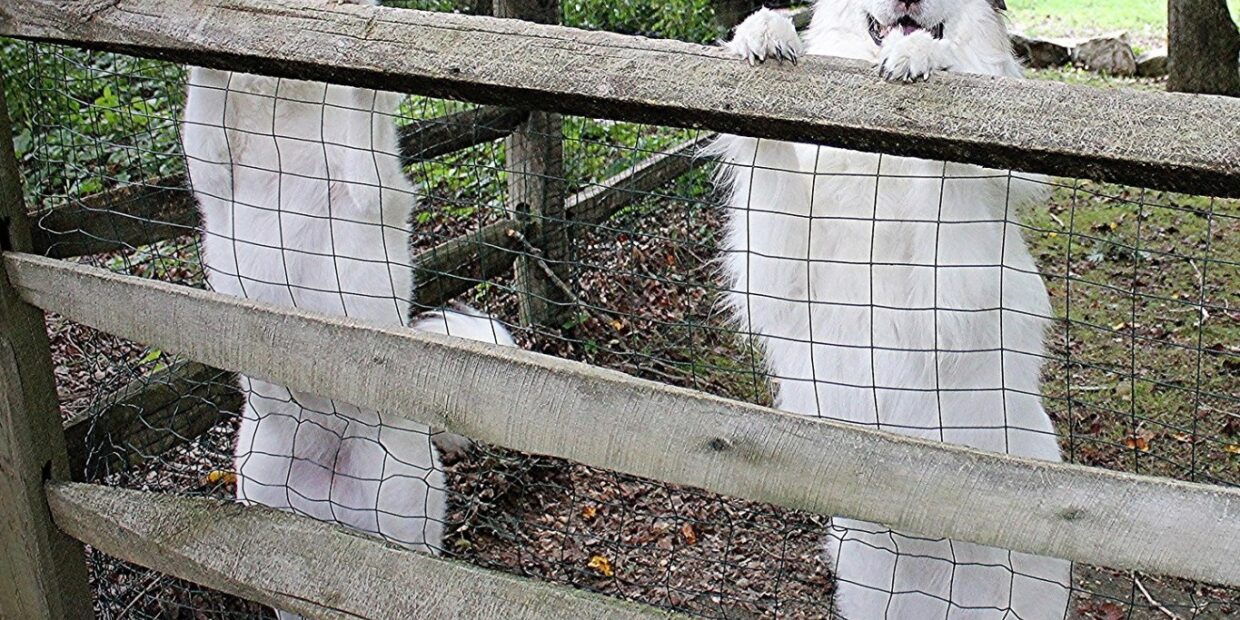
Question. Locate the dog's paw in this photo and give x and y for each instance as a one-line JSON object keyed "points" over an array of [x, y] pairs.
{"points": [[908, 58], [766, 34], [451, 446]]}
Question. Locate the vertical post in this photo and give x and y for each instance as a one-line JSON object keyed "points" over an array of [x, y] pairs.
{"points": [[535, 164], [42, 571]]}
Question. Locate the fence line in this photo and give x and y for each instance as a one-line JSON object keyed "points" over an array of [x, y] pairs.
{"points": [[604, 418], [164, 208], [42, 574], [1156, 140], [306, 566]]}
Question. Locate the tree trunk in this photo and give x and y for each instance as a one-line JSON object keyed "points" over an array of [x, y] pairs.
{"points": [[1203, 48]]}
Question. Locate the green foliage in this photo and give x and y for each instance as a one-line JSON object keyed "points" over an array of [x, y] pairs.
{"points": [[87, 121], [687, 20]]}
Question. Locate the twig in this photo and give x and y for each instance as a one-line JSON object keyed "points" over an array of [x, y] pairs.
{"points": [[1153, 602], [151, 583], [536, 254]]}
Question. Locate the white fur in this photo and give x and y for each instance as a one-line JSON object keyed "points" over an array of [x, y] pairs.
{"points": [[304, 204], [891, 272], [464, 322]]}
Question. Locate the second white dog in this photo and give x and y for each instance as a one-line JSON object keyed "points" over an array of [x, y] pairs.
{"points": [[898, 293]]}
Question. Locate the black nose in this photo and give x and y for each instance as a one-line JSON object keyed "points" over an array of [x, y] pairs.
{"points": [[909, 3]]}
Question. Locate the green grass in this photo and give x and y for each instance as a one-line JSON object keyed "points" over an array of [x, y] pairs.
{"points": [[1144, 19]]}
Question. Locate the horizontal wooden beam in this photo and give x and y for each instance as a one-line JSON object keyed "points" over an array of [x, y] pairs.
{"points": [[604, 418], [459, 264], [1158, 140], [164, 208], [306, 566], [148, 417]]}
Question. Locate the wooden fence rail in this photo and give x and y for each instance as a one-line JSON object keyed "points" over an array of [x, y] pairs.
{"points": [[1156, 140], [297, 564], [603, 418]]}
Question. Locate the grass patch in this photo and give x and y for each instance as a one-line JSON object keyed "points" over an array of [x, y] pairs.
{"points": [[1145, 20]]}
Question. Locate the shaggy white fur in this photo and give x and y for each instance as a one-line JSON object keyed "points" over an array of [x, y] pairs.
{"points": [[898, 293], [304, 204]]}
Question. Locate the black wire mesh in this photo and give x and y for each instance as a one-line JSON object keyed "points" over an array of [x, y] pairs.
{"points": [[1142, 373]]}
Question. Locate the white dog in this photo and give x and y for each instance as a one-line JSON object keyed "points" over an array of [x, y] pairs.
{"points": [[898, 293], [304, 204]]}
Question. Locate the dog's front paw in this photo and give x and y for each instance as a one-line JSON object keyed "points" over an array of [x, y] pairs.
{"points": [[908, 58], [766, 34]]}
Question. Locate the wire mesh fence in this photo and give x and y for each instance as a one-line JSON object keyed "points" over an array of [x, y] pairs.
{"points": [[1141, 371]]}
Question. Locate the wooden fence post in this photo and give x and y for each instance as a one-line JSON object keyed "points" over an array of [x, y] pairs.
{"points": [[535, 164], [42, 570]]}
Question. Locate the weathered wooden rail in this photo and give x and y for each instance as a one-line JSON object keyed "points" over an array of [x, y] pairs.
{"points": [[1155, 140], [295, 564], [544, 405]]}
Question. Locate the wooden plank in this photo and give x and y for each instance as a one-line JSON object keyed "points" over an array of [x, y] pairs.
{"points": [[295, 564], [164, 208], [149, 417], [595, 205], [427, 139], [459, 264], [603, 418], [1157, 140], [42, 571], [534, 160]]}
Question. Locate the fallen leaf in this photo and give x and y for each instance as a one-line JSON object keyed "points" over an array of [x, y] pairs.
{"points": [[601, 565], [1111, 611], [1232, 448], [617, 325], [219, 477], [589, 512], [1137, 442], [688, 532]]}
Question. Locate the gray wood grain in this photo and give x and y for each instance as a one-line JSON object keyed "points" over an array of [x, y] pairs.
{"points": [[42, 571], [299, 564], [603, 418], [1157, 140]]}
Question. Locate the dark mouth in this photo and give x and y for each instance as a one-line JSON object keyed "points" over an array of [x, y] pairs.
{"points": [[906, 24]]}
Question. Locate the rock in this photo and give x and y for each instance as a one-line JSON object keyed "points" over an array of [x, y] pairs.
{"points": [[1152, 63], [1040, 53], [1111, 55]]}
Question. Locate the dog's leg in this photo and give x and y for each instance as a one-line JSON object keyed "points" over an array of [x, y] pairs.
{"points": [[766, 34]]}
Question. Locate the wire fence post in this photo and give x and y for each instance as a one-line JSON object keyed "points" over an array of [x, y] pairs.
{"points": [[535, 165], [43, 571]]}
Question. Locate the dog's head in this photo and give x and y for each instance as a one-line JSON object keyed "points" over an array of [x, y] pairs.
{"points": [[933, 16]]}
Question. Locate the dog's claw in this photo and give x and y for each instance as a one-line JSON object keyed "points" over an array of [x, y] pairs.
{"points": [[766, 35]]}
